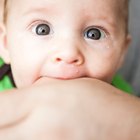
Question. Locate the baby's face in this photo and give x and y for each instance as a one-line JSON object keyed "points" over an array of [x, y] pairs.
{"points": [[64, 39]]}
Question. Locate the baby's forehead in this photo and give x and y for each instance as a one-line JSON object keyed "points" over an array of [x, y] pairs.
{"points": [[37, 3], [115, 7], [113, 2]]}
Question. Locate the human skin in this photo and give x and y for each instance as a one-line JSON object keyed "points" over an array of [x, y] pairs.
{"points": [[92, 109], [66, 51]]}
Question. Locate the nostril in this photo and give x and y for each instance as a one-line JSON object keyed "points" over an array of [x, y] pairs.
{"points": [[69, 60], [79, 61], [58, 59], [75, 61]]}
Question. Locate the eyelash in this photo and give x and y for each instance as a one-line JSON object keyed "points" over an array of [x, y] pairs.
{"points": [[100, 28]]}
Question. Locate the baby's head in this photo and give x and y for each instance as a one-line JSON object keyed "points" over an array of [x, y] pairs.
{"points": [[64, 39]]}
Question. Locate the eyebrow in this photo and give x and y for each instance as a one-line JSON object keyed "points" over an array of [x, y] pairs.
{"points": [[48, 7], [36, 10], [108, 21], [103, 20]]}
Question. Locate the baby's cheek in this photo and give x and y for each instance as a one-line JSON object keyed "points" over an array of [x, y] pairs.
{"points": [[102, 70], [24, 77]]}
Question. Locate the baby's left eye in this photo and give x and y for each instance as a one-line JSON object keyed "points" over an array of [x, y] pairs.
{"points": [[94, 34]]}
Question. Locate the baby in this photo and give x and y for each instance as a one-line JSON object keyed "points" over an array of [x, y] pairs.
{"points": [[64, 39], [74, 43]]}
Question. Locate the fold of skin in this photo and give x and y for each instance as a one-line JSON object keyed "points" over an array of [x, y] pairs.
{"points": [[80, 109]]}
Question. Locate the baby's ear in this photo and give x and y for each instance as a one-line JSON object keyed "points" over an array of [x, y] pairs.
{"points": [[4, 53], [126, 44]]}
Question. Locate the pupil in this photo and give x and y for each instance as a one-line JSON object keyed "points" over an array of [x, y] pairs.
{"points": [[94, 34], [43, 31]]}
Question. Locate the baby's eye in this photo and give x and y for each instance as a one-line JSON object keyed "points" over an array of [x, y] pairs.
{"points": [[42, 29], [94, 34]]}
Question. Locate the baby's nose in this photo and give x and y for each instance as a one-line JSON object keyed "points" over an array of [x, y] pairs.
{"points": [[74, 57]]}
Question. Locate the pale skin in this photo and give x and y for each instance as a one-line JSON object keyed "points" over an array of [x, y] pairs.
{"points": [[46, 67], [92, 110]]}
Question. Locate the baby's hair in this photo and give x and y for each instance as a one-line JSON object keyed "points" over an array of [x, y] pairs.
{"points": [[5, 10], [126, 13], [5, 69]]}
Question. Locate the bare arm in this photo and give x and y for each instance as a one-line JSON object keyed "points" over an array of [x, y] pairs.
{"points": [[71, 109]]}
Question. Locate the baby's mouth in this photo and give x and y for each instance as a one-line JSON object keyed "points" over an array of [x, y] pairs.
{"points": [[63, 72], [60, 77]]}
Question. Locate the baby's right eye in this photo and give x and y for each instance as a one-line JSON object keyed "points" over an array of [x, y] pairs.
{"points": [[94, 33], [42, 29]]}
